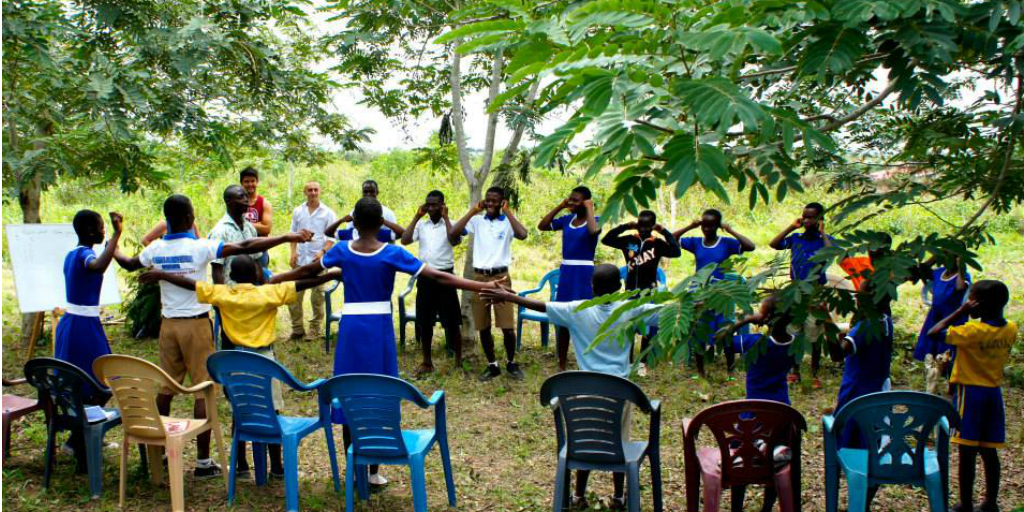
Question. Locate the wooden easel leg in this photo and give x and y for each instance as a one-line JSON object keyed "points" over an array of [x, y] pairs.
{"points": [[37, 326]]}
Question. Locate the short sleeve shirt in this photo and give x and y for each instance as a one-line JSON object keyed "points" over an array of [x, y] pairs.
{"points": [[435, 249], [867, 368], [577, 243], [184, 255], [229, 232], [716, 254], [609, 356], [370, 277], [492, 241], [803, 247], [81, 285], [386, 212], [766, 375], [349, 234], [248, 312], [315, 222], [982, 350]]}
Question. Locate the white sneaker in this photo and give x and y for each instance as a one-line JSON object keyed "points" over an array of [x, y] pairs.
{"points": [[641, 370], [377, 479]]}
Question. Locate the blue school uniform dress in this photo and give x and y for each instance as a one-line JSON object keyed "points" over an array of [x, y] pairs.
{"points": [[366, 332], [80, 337], [803, 246], [866, 370], [766, 376], [577, 269], [714, 255], [945, 300]]}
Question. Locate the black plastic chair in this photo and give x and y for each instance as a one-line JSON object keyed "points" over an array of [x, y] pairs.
{"points": [[63, 388], [589, 409]]}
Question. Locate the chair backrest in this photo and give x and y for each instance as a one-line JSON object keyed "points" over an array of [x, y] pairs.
{"points": [[591, 408], [136, 384], [660, 275], [372, 405], [62, 385], [747, 433], [896, 426], [247, 378], [551, 278]]}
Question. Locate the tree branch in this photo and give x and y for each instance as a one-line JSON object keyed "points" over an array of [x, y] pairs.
{"points": [[787, 69], [455, 78], [517, 133], [652, 125], [492, 118], [1011, 141]]}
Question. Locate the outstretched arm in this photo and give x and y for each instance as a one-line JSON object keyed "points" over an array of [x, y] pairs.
{"points": [[745, 243], [260, 244], [776, 242], [307, 271], [130, 264], [305, 284], [502, 295], [455, 233], [101, 262], [159, 275], [518, 230], [447, 279]]}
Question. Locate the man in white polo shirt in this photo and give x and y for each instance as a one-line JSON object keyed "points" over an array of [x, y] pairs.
{"points": [[492, 254], [186, 333], [314, 217], [433, 298]]}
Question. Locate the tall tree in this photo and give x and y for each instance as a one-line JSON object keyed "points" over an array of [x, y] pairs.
{"points": [[90, 86], [762, 92]]}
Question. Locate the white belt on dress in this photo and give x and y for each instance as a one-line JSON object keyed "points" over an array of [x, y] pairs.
{"points": [[75, 309], [581, 263], [366, 308]]}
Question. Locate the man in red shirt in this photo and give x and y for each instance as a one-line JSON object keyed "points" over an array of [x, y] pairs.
{"points": [[260, 213]]}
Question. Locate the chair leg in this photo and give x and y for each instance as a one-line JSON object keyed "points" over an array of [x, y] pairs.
{"points": [[655, 459], [350, 472], [231, 470], [519, 330], [633, 487], [712, 494], [831, 485], [218, 436], [363, 481], [51, 441], [332, 453], [419, 484], [544, 328], [176, 474], [156, 465], [7, 435], [561, 489], [937, 501], [737, 494], [123, 481], [857, 496], [290, 449], [94, 459], [449, 479], [259, 460]]}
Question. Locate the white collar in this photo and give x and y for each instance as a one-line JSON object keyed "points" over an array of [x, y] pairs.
{"points": [[366, 254], [576, 227], [713, 246]]}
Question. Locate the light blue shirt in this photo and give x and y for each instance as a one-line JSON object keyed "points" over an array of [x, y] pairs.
{"points": [[608, 357]]}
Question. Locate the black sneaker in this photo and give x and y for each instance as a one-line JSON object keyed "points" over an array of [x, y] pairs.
{"points": [[514, 371], [490, 372], [204, 472]]}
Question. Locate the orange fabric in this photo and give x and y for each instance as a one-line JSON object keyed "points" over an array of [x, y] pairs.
{"points": [[856, 268]]}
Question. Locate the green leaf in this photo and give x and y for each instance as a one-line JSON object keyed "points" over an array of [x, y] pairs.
{"points": [[598, 94], [763, 41], [717, 103], [833, 53], [481, 27], [687, 159]]}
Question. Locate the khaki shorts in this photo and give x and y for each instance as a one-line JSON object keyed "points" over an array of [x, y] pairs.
{"points": [[504, 312], [185, 343]]}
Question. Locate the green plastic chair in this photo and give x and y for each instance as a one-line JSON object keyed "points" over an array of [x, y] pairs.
{"points": [[896, 427]]}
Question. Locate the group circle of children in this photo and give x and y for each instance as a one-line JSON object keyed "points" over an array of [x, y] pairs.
{"points": [[366, 260]]}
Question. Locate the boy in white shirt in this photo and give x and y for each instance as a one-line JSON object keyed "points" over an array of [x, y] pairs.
{"points": [[186, 332], [492, 254], [432, 298]]}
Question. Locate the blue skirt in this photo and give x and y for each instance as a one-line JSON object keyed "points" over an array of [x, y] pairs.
{"points": [[366, 344], [574, 283], [80, 341], [933, 345]]}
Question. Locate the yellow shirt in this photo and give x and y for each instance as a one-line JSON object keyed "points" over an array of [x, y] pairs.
{"points": [[981, 352], [248, 313]]}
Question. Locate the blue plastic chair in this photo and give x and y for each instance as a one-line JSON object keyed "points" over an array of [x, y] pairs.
{"points": [[62, 386], [662, 278], [589, 409], [372, 408], [549, 280], [896, 426], [247, 378]]}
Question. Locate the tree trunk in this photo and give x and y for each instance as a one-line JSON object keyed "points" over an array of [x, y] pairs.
{"points": [[29, 194], [468, 327]]}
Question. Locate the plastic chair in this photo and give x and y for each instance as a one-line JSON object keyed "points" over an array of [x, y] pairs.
{"points": [[549, 280], [247, 378], [747, 433], [136, 384], [60, 387], [896, 426], [662, 278], [590, 410], [15, 407], [372, 408]]}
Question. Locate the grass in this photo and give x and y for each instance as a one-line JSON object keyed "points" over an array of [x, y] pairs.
{"points": [[502, 438]]}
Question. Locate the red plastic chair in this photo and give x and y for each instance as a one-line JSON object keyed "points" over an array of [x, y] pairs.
{"points": [[747, 433], [14, 407]]}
